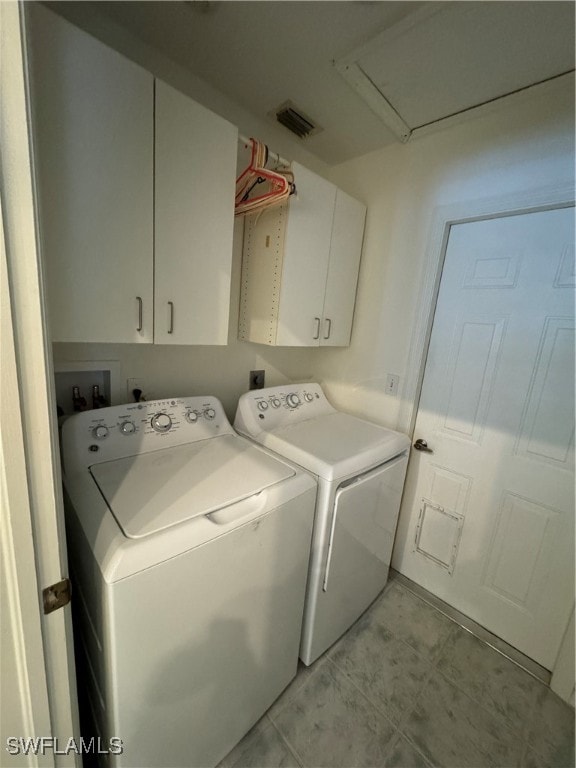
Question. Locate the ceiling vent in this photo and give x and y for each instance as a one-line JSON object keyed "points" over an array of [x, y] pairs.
{"points": [[295, 120]]}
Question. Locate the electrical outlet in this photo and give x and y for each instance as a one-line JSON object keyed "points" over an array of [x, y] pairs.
{"points": [[392, 381], [257, 379], [131, 385]]}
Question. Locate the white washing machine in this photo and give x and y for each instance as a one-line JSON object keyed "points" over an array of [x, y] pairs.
{"points": [[360, 469], [189, 549]]}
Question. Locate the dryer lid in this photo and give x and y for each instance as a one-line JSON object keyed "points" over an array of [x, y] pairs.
{"points": [[335, 445], [153, 491]]}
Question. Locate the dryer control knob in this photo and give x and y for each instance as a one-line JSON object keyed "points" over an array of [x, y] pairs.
{"points": [[100, 432], [275, 402], [128, 428], [293, 400], [161, 422], [209, 413], [262, 405], [308, 397]]}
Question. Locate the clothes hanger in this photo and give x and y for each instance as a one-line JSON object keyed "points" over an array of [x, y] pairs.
{"points": [[280, 183]]}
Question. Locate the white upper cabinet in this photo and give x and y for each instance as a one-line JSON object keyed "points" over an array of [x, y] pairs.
{"points": [[136, 193], [300, 267], [306, 259], [93, 115], [345, 251], [195, 168]]}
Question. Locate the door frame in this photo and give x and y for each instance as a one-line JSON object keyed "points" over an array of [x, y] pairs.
{"points": [[31, 413], [537, 199], [25, 703]]}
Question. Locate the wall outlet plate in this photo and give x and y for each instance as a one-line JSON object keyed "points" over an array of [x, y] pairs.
{"points": [[392, 381], [131, 385], [257, 379]]}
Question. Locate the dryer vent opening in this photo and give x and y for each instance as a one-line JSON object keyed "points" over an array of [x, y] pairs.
{"points": [[296, 120]]}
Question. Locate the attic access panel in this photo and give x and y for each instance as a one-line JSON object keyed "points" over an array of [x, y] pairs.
{"points": [[448, 58]]}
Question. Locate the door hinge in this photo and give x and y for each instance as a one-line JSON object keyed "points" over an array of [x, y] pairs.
{"points": [[57, 595]]}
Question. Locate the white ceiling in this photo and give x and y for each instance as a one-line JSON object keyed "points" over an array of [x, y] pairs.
{"points": [[425, 60], [451, 57]]}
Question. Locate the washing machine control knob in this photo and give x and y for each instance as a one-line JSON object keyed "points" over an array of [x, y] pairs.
{"points": [[127, 427], [308, 397], [161, 422], [262, 405], [192, 417], [209, 413], [100, 432], [275, 402], [293, 400]]}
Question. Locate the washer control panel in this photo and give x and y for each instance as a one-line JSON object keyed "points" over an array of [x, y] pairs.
{"points": [[118, 431], [266, 409]]}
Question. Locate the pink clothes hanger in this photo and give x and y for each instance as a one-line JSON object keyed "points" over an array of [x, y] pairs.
{"points": [[279, 185]]}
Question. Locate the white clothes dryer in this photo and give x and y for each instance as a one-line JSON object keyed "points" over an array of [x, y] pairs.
{"points": [[360, 468], [189, 548]]}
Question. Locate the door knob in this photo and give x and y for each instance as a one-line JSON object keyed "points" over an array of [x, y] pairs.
{"points": [[422, 445]]}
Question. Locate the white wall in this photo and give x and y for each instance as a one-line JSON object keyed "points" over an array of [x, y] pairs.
{"points": [[513, 149]]}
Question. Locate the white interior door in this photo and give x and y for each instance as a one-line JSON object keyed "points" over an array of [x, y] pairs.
{"points": [[38, 673], [488, 516]]}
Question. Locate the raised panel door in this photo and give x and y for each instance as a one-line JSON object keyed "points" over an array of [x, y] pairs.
{"points": [[497, 410]]}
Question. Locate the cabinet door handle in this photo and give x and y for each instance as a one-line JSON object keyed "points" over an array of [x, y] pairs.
{"points": [[329, 328], [171, 321], [140, 313], [317, 336]]}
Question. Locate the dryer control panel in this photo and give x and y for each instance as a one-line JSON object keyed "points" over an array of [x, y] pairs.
{"points": [[262, 410], [118, 431]]}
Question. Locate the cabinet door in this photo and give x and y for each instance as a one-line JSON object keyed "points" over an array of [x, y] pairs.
{"points": [[345, 250], [307, 251], [195, 169], [93, 116]]}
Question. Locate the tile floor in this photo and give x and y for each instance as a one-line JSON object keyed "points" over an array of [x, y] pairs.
{"points": [[407, 687]]}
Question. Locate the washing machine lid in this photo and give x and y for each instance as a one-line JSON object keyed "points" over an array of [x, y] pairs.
{"points": [[153, 491], [335, 445]]}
